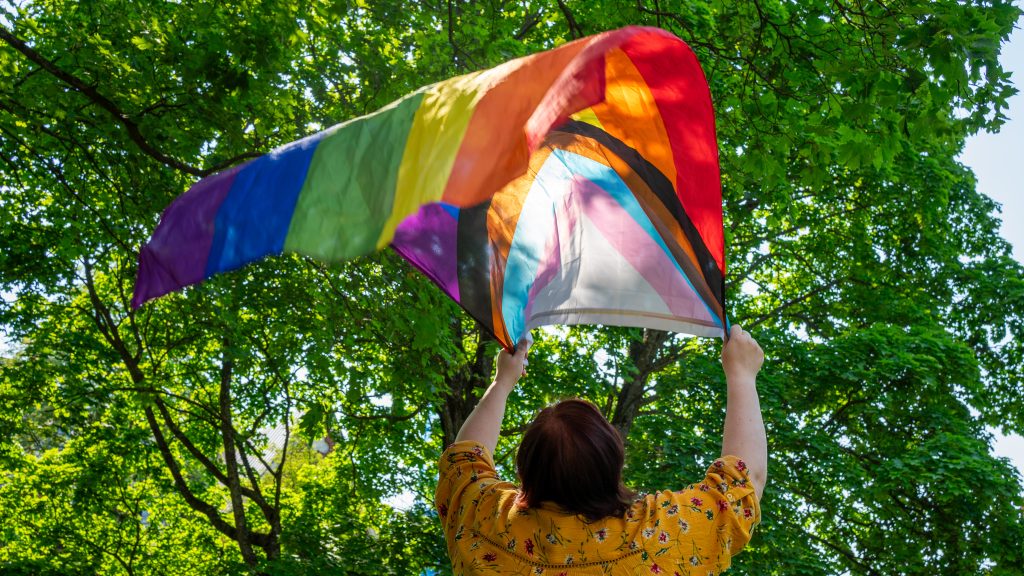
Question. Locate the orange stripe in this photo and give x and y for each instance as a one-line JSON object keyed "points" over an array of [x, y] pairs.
{"points": [[526, 99], [494, 149], [630, 114]]}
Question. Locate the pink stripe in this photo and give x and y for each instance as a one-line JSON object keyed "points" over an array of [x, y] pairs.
{"points": [[639, 249]]}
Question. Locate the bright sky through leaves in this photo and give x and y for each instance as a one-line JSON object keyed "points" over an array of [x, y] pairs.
{"points": [[995, 159]]}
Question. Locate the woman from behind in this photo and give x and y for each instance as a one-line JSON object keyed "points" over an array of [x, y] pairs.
{"points": [[572, 514]]}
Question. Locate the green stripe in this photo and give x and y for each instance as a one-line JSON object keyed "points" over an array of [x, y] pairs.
{"points": [[350, 186]]}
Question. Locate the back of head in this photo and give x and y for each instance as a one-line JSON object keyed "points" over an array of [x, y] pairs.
{"points": [[572, 456]]}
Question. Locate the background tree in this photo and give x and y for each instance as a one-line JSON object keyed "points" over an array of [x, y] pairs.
{"points": [[175, 439]]}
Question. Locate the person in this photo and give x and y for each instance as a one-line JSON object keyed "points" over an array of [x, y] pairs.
{"points": [[572, 514]]}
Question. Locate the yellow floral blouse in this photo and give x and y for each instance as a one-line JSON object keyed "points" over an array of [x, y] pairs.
{"points": [[689, 532]]}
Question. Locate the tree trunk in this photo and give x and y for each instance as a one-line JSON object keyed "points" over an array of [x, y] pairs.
{"points": [[461, 397], [643, 361], [230, 477]]}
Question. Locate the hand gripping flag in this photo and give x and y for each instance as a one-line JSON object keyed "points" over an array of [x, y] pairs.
{"points": [[578, 185]]}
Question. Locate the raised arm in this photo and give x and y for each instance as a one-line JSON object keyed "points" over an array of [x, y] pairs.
{"points": [[484, 423], [744, 434]]}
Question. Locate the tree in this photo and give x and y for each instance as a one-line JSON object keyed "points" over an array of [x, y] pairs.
{"points": [[144, 442]]}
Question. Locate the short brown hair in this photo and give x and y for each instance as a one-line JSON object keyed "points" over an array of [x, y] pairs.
{"points": [[572, 456]]}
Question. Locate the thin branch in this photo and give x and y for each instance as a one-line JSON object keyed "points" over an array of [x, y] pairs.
{"points": [[58, 175], [273, 471], [574, 29], [849, 555], [191, 499], [388, 417], [451, 37], [531, 21], [196, 453], [250, 474], [108, 327], [100, 100], [230, 162], [278, 479], [774, 313], [514, 430]]}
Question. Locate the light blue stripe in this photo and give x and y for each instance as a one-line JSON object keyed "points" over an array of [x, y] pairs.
{"points": [[603, 176], [608, 179]]}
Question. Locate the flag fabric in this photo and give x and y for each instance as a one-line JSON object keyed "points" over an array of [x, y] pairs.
{"points": [[577, 185]]}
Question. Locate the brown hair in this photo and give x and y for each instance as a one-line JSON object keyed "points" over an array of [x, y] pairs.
{"points": [[572, 456]]}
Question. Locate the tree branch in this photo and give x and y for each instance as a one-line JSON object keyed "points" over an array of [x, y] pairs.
{"points": [[191, 499], [643, 357], [451, 38], [227, 432], [94, 96], [54, 169], [100, 100], [105, 323], [388, 417], [529, 23]]}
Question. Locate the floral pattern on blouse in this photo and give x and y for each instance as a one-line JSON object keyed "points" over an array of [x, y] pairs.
{"points": [[694, 531]]}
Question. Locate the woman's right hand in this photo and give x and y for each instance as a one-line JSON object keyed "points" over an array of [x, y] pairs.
{"points": [[511, 366]]}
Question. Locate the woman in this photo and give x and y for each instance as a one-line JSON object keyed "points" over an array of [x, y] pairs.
{"points": [[573, 515]]}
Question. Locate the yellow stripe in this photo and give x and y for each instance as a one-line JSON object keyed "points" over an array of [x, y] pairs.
{"points": [[587, 115], [433, 143]]}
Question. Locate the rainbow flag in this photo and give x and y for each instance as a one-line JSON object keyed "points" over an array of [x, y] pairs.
{"points": [[577, 185]]}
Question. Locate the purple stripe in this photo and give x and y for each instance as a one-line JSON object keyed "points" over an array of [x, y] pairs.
{"points": [[427, 239], [176, 255]]}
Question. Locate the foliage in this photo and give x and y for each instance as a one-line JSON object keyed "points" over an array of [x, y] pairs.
{"points": [[176, 439]]}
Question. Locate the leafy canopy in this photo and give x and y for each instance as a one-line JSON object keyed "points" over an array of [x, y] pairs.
{"points": [[177, 439]]}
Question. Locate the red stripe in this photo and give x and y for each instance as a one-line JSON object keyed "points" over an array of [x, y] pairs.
{"points": [[681, 92]]}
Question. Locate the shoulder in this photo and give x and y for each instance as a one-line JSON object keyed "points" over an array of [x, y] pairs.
{"points": [[466, 451], [468, 488]]}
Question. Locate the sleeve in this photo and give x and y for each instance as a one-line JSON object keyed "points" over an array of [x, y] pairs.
{"points": [[465, 470], [710, 521], [735, 501]]}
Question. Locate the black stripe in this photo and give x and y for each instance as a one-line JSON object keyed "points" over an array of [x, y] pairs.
{"points": [[474, 264], [665, 191]]}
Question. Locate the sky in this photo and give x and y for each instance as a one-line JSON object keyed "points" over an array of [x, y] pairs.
{"points": [[997, 161]]}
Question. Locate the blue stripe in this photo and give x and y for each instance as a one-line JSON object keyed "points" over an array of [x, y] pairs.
{"points": [[253, 221], [452, 210]]}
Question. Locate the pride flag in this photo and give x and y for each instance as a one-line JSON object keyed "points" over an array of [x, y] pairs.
{"points": [[577, 185]]}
